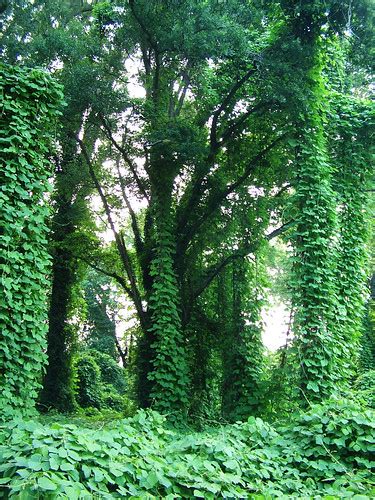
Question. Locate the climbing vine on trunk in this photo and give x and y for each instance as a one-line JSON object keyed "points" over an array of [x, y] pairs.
{"points": [[313, 284], [30, 103], [351, 125], [170, 370], [243, 348]]}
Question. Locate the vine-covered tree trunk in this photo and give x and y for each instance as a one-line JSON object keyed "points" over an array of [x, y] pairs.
{"points": [[204, 334], [58, 383], [324, 322], [367, 351], [58, 380], [243, 348], [314, 259], [23, 245], [169, 375], [353, 166]]}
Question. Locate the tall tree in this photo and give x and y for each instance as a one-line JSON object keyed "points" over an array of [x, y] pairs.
{"points": [[30, 105], [188, 119], [68, 42], [101, 309], [325, 345], [230, 114]]}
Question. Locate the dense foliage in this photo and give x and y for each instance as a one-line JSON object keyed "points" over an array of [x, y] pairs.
{"points": [[325, 452], [100, 382], [30, 105], [211, 164]]}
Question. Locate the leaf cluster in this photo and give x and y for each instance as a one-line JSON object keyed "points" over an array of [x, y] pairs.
{"points": [[324, 452]]}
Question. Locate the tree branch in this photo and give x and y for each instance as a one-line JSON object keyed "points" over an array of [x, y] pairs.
{"points": [[216, 270], [214, 144], [142, 25], [155, 48], [218, 198], [236, 124], [124, 255], [126, 158], [279, 230], [215, 118], [113, 275], [135, 227], [240, 253], [182, 93]]}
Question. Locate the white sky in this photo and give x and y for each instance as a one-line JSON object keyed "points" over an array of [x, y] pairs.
{"points": [[276, 320]]}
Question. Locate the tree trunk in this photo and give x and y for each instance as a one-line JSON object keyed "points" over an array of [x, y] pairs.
{"points": [[57, 385], [163, 362]]}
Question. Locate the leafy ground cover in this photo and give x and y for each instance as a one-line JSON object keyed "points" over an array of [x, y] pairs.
{"points": [[324, 452]]}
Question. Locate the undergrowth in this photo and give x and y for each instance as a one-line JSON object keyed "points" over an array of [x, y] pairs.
{"points": [[322, 453]]}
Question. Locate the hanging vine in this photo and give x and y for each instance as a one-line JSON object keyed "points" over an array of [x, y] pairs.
{"points": [[30, 102]]}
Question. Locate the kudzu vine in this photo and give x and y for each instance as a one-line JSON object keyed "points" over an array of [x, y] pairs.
{"points": [[170, 370], [29, 105], [313, 283], [329, 278], [243, 353], [350, 136]]}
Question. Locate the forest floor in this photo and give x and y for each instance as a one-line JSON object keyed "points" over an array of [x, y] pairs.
{"points": [[324, 452]]}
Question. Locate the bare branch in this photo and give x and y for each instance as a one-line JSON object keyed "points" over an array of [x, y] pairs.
{"points": [[135, 227], [280, 230], [113, 275], [121, 247]]}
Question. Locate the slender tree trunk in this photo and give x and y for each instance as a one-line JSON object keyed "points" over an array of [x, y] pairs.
{"points": [[57, 389], [243, 347], [58, 382]]}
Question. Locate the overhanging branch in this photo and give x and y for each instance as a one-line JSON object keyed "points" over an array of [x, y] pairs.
{"points": [[113, 275], [218, 198], [239, 254]]}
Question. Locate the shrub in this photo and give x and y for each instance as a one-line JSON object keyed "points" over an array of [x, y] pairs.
{"points": [[335, 438], [110, 371], [88, 391], [100, 383]]}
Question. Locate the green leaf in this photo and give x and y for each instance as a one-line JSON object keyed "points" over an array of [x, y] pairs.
{"points": [[46, 484]]}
